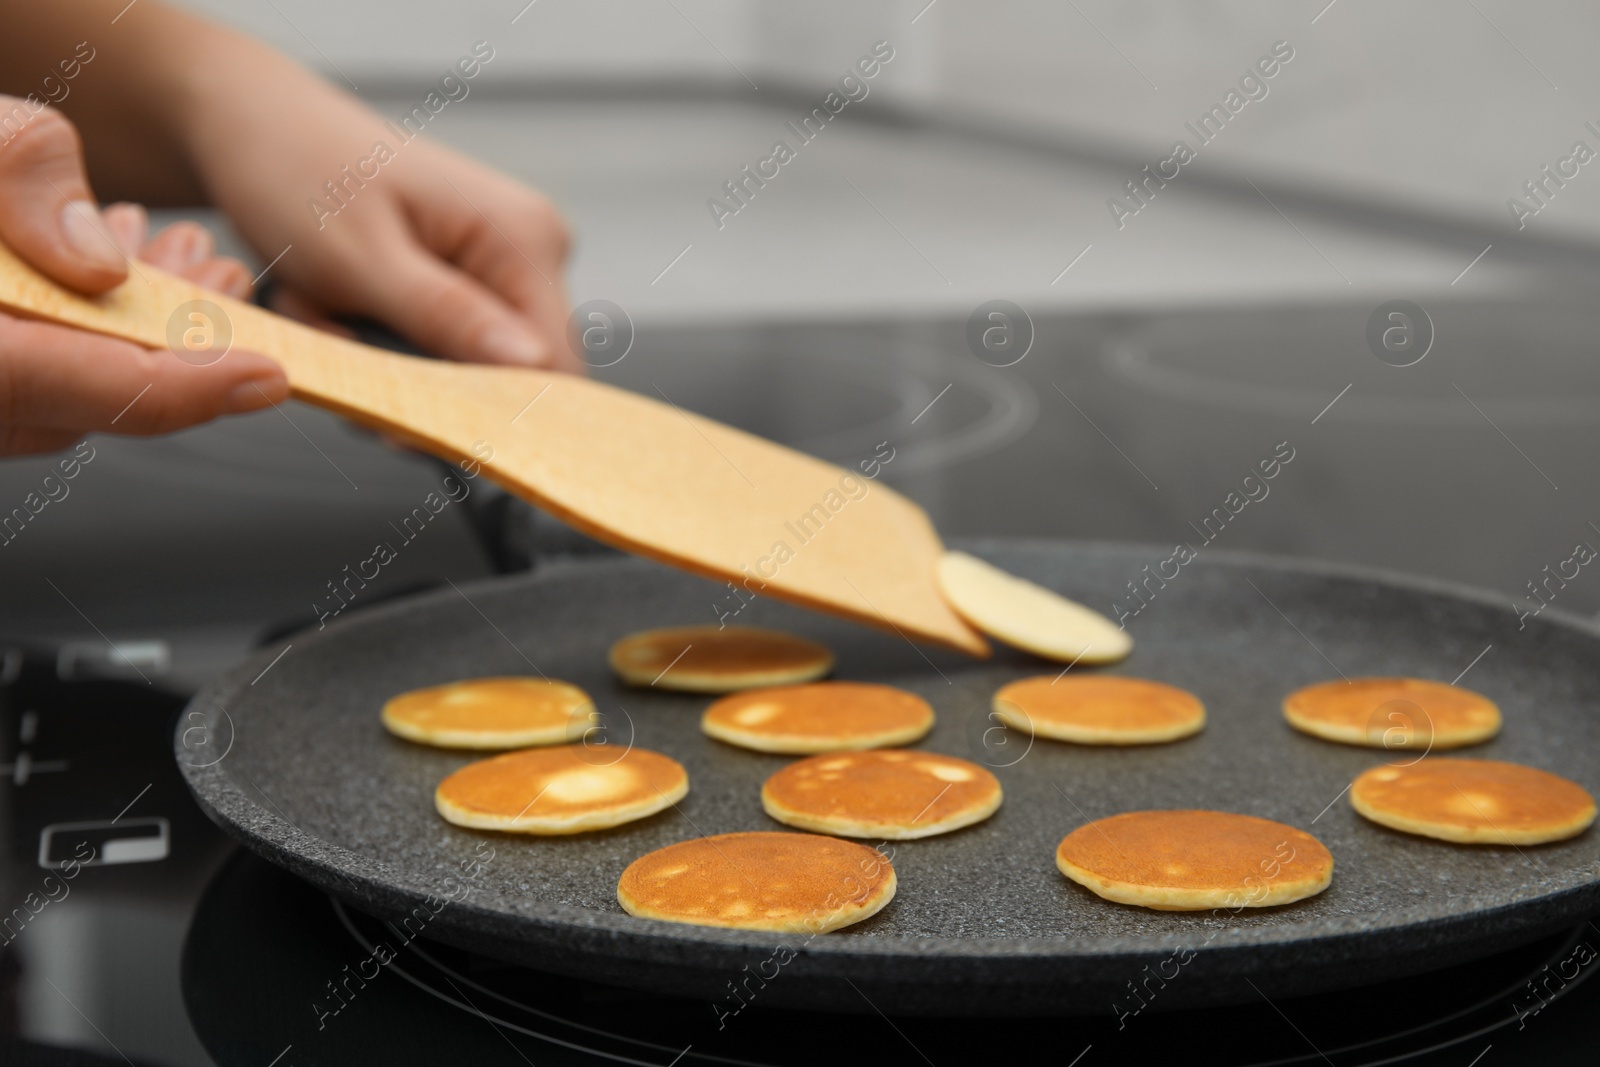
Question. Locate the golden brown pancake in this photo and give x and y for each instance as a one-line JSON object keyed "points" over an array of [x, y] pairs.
{"points": [[1096, 709], [892, 794], [1193, 860], [562, 790], [705, 659], [491, 713], [1474, 801], [821, 717], [1026, 615], [783, 882], [1410, 713]]}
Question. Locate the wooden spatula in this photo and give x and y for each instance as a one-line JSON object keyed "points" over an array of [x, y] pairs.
{"points": [[629, 470]]}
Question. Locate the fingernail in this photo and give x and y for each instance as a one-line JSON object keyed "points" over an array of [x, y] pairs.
{"points": [[86, 234], [505, 344], [254, 395], [133, 229]]}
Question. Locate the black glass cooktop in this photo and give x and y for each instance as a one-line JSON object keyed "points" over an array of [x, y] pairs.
{"points": [[322, 986], [1471, 464]]}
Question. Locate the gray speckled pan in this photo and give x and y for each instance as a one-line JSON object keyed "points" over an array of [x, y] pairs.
{"points": [[983, 923]]}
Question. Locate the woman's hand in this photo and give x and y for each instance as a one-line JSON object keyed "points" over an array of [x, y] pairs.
{"points": [[57, 383], [412, 250], [464, 261]]}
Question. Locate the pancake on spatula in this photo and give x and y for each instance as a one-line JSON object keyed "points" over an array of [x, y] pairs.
{"points": [[1393, 713], [892, 794], [706, 659], [821, 717], [1194, 860], [1481, 802], [786, 883], [491, 713], [1026, 615], [1097, 709], [562, 790]]}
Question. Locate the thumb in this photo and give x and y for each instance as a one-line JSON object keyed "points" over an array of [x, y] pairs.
{"points": [[47, 212]]}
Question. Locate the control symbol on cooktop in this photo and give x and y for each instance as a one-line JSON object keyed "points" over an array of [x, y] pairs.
{"points": [[23, 766], [143, 840]]}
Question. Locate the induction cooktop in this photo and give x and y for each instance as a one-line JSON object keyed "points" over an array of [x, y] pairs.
{"points": [[1113, 427]]}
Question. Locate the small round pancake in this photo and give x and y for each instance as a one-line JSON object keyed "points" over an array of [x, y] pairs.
{"points": [[1028, 616], [560, 790], [787, 883], [705, 659], [1474, 801], [1092, 709], [821, 717], [491, 713], [1193, 860], [1409, 713], [890, 794]]}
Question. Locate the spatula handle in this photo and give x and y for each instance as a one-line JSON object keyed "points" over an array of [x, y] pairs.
{"points": [[323, 369], [639, 473]]}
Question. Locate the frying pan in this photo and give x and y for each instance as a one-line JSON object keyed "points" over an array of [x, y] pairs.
{"points": [[295, 764]]}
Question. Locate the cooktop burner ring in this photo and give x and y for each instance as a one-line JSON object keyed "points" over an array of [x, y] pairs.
{"points": [[1478, 1011]]}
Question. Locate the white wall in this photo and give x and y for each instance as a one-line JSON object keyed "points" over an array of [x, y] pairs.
{"points": [[1438, 105], [1424, 102], [367, 39]]}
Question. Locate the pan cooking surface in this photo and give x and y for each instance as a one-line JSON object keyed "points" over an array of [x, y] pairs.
{"points": [[982, 922]]}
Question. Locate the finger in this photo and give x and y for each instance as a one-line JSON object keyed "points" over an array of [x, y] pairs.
{"points": [[47, 212], [551, 313], [128, 225], [519, 258], [56, 377], [527, 274], [178, 247], [291, 302], [188, 249], [449, 313], [224, 275], [31, 440]]}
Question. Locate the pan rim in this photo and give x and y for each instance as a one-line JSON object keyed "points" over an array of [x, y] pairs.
{"points": [[367, 882]]}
